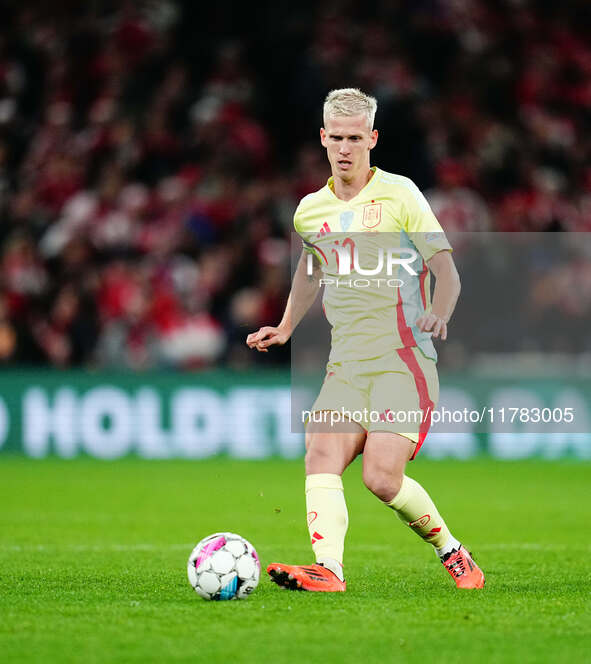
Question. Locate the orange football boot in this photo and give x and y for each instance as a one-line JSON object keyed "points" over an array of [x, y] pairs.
{"points": [[464, 571], [315, 578]]}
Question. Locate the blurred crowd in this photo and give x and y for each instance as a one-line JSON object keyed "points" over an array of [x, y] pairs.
{"points": [[152, 154]]}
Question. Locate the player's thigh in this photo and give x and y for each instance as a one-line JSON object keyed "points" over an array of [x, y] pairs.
{"points": [[385, 456], [403, 396], [333, 438], [331, 450]]}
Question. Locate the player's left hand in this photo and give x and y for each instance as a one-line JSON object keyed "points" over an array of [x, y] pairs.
{"points": [[429, 322]]}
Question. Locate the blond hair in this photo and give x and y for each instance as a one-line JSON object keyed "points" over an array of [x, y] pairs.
{"points": [[348, 102]]}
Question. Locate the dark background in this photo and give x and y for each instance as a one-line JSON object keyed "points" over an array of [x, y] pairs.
{"points": [[152, 155]]}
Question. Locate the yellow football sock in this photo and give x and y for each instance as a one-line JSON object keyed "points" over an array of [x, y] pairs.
{"points": [[327, 515], [414, 506]]}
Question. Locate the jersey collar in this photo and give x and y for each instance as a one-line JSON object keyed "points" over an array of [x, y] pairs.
{"points": [[330, 187]]}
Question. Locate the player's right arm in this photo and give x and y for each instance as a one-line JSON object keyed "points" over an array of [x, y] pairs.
{"points": [[304, 289]]}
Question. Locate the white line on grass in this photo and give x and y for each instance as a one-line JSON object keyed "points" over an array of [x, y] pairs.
{"points": [[506, 546], [96, 547]]}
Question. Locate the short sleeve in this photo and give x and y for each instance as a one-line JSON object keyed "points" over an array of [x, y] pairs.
{"points": [[307, 246], [310, 248], [421, 224]]}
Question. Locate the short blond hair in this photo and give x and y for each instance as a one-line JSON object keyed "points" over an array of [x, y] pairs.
{"points": [[348, 102]]}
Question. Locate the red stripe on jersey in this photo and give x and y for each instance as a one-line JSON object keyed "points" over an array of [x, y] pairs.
{"points": [[422, 278], [406, 335], [425, 404]]}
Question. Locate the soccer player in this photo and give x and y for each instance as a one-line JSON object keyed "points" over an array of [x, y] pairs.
{"points": [[382, 358]]}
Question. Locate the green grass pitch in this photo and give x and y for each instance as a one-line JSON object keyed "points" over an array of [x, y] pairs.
{"points": [[93, 565]]}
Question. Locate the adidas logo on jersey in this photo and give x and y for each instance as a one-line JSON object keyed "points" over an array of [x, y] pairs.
{"points": [[323, 230]]}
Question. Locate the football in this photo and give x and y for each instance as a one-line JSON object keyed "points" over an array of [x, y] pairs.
{"points": [[224, 566]]}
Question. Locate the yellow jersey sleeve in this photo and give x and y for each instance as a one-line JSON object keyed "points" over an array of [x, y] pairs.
{"points": [[305, 215], [420, 222]]}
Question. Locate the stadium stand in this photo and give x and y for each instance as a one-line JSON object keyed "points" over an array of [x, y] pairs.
{"points": [[152, 154]]}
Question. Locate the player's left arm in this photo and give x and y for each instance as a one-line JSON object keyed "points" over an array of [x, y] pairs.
{"points": [[445, 295], [428, 237]]}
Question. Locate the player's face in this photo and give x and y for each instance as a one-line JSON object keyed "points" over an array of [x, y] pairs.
{"points": [[348, 141]]}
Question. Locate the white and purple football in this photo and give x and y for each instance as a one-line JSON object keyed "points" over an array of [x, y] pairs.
{"points": [[224, 566]]}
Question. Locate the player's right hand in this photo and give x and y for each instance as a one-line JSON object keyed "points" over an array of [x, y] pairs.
{"points": [[265, 337]]}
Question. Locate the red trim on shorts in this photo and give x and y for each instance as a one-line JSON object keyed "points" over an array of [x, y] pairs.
{"points": [[425, 404], [422, 278], [406, 335]]}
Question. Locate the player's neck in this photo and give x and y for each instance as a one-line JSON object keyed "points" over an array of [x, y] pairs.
{"points": [[348, 189]]}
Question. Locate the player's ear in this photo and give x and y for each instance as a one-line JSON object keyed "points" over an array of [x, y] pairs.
{"points": [[373, 139], [323, 136]]}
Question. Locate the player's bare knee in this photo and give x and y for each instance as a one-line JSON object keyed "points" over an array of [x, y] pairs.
{"points": [[383, 484], [311, 460], [317, 456]]}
